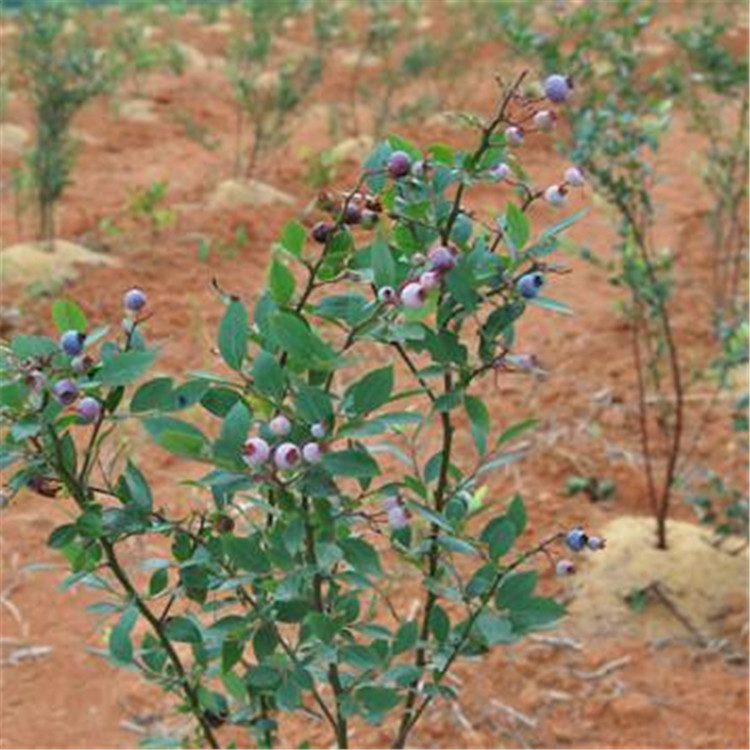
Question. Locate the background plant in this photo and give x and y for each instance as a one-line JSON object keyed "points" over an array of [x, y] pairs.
{"points": [[62, 73], [271, 591]]}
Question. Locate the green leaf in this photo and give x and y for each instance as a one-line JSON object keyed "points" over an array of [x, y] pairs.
{"points": [[448, 401], [62, 536], [501, 537], [153, 394], [125, 367], [268, 377], [517, 514], [535, 612], [516, 587], [504, 459], [361, 555], [517, 227], [348, 307], [313, 404], [120, 645], [406, 638], [480, 422], [233, 333], [351, 463], [159, 581], [299, 341], [360, 657], [25, 346], [293, 237], [372, 391], [246, 553], [280, 282], [138, 489], [182, 630], [495, 628], [382, 262], [551, 304], [67, 316], [265, 641], [263, 677], [376, 701], [176, 436], [515, 430], [440, 624], [563, 224]]}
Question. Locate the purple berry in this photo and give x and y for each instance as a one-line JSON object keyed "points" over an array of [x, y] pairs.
{"points": [[318, 430], [576, 539], [280, 425], [574, 177], [311, 453], [565, 567], [134, 300], [596, 543], [442, 258], [255, 451], [89, 410], [71, 342], [399, 164], [352, 214], [321, 231], [287, 456], [413, 295], [387, 294], [529, 284], [557, 88], [65, 391]]}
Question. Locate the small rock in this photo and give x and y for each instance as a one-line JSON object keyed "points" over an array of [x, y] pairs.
{"points": [[236, 193], [13, 138], [352, 148], [634, 708], [137, 110]]}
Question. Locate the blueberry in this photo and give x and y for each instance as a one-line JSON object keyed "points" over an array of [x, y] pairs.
{"points": [[65, 391], [71, 342], [514, 135], [386, 294], [442, 258], [321, 231], [529, 284], [500, 172], [89, 410], [81, 364], [318, 430], [280, 425], [398, 517], [557, 88], [555, 195], [565, 567], [134, 300], [287, 456], [430, 279], [574, 177], [352, 214], [544, 120], [399, 164], [576, 539]]}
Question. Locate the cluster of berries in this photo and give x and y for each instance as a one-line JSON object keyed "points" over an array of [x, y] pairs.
{"points": [[578, 540], [286, 455], [440, 260], [65, 391]]}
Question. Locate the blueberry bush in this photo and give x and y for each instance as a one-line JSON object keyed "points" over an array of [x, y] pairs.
{"points": [[320, 454]]}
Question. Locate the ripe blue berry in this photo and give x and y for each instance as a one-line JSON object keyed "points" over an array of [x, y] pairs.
{"points": [[65, 391], [321, 231], [71, 342], [134, 300], [399, 164], [529, 284], [576, 539], [557, 88], [352, 214], [89, 410]]}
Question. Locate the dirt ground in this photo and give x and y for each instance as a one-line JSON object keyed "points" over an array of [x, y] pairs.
{"points": [[611, 684]]}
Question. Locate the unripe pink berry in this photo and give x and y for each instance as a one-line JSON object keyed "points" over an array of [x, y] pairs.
{"points": [[255, 452], [544, 120], [430, 279], [311, 453], [574, 177], [413, 295], [418, 259], [555, 195], [318, 430], [287, 456], [565, 567], [514, 135], [398, 517], [500, 172], [280, 425]]}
